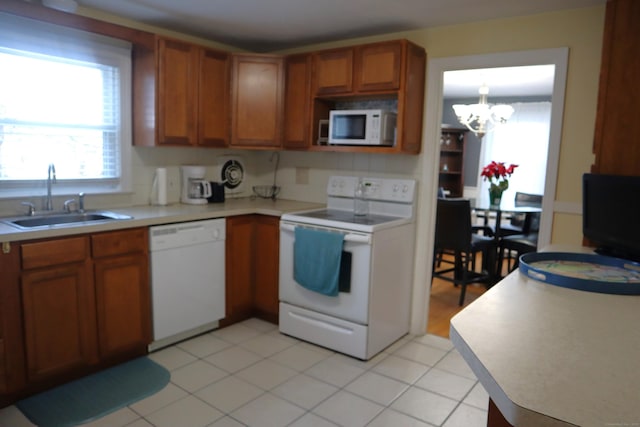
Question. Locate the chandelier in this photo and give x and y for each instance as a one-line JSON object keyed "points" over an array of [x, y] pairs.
{"points": [[480, 118]]}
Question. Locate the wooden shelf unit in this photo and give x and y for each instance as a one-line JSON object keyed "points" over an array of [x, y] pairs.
{"points": [[451, 176]]}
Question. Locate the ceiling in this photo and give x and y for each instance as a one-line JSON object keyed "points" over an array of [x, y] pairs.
{"points": [[271, 25], [534, 80]]}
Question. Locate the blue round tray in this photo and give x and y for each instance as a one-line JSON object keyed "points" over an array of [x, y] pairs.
{"points": [[586, 272]]}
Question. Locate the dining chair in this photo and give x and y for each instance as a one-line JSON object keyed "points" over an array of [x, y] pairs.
{"points": [[523, 243], [454, 235], [485, 230], [516, 224]]}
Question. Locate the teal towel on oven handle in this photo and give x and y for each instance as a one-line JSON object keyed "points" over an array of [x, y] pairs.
{"points": [[316, 260]]}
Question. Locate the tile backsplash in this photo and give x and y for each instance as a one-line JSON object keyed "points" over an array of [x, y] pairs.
{"points": [[302, 175], [369, 104]]}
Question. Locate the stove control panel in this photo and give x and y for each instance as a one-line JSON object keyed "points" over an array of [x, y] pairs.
{"points": [[383, 189]]}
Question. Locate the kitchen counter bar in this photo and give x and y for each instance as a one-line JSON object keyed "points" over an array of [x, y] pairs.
{"points": [[553, 356], [144, 216]]}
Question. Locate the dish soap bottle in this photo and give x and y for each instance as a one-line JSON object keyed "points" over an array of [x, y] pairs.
{"points": [[360, 202]]}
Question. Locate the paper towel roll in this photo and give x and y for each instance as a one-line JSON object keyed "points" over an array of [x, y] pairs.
{"points": [[160, 187]]}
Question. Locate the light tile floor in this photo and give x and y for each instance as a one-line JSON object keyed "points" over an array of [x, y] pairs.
{"points": [[251, 375]]}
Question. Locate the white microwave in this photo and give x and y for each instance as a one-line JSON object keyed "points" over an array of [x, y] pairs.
{"points": [[362, 127]]}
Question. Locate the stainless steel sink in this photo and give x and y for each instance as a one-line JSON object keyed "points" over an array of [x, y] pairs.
{"points": [[63, 219]]}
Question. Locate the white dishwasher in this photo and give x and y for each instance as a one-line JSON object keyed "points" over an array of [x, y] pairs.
{"points": [[187, 279]]}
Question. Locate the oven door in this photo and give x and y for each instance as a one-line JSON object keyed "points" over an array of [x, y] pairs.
{"points": [[351, 305]]}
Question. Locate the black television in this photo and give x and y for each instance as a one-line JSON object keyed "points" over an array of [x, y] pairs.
{"points": [[611, 214]]}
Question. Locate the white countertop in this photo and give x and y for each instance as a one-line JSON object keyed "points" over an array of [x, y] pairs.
{"points": [[153, 215], [552, 356]]}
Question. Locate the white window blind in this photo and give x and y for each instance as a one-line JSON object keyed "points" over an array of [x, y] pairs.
{"points": [[64, 99]]}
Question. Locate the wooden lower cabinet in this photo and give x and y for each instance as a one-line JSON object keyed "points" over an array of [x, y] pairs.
{"points": [[123, 298], [59, 320], [71, 306], [123, 305], [267, 266], [12, 361], [252, 254], [239, 269], [58, 307]]}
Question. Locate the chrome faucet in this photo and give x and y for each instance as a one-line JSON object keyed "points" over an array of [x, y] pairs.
{"points": [[51, 179], [81, 202]]}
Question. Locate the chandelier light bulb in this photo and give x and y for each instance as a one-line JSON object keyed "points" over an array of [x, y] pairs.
{"points": [[480, 118]]}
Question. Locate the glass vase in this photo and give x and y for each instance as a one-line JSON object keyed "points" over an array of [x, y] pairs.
{"points": [[495, 196]]}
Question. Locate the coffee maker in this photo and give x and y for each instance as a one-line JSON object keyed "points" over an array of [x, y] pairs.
{"points": [[195, 189]]}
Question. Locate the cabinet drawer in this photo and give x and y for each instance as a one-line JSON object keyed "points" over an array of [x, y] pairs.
{"points": [[54, 252], [119, 242]]}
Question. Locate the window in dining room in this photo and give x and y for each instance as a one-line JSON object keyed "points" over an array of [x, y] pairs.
{"points": [[523, 140]]}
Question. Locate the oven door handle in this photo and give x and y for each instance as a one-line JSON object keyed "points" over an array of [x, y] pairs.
{"points": [[349, 237]]}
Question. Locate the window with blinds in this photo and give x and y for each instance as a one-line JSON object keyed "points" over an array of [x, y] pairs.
{"points": [[64, 100]]}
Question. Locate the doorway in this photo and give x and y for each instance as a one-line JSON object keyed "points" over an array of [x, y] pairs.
{"points": [[430, 158]]}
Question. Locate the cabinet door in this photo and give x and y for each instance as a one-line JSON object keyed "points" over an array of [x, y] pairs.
{"points": [[411, 100], [177, 80], [297, 98], [616, 144], [239, 268], [257, 101], [267, 262], [213, 96], [58, 306], [333, 71], [12, 363], [123, 305], [378, 66]]}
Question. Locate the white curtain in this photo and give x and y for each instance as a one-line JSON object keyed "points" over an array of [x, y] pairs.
{"points": [[524, 141]]}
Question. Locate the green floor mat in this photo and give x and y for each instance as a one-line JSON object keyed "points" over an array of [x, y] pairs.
{"points": [[96, 395]]}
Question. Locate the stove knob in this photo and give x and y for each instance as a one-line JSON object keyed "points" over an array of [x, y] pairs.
{"points": [[405, 188]]}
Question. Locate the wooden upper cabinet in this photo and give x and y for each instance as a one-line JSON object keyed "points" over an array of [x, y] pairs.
{"points": [[297, 101], [378, 67], [411, 99], [257, 101], [366, 68], [390, 71], [193, 95], [177, 107], [214, 102], [616, 143], [333, 71]]}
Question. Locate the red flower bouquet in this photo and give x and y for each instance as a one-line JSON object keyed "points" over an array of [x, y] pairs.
{"points": [[499, 172]]}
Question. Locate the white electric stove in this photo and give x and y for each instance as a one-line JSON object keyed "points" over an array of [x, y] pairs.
{"points": [[374, 311]]}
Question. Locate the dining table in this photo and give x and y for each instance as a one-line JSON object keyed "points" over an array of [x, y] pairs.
{"points": [[502, 211]]}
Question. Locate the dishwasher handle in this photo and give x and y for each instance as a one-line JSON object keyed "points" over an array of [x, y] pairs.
{"points": [[348, 237]]}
